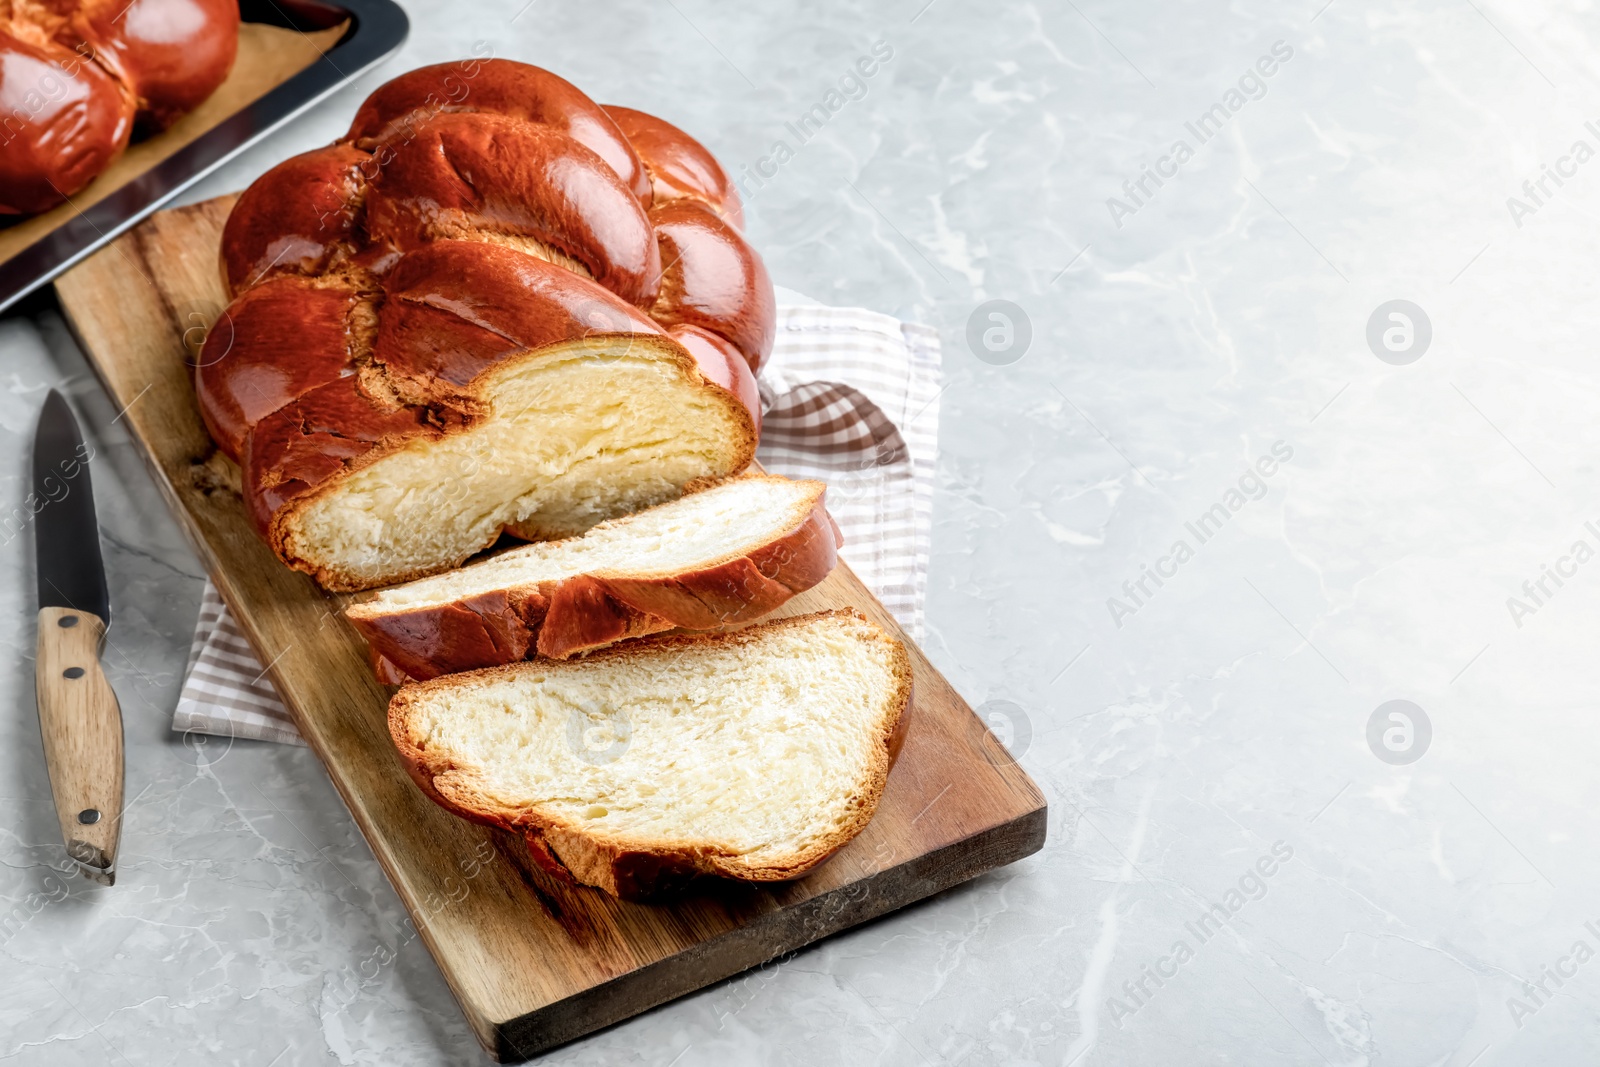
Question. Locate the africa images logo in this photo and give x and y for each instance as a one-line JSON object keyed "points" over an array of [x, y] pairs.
{"points": [[1536, 192], [1537, 592], [1399, 332], [1250, 886], [1251, 486], [999, 332], [1138, 192]]}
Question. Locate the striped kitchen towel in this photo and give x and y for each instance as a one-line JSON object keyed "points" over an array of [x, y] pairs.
{"points": [[851, 397]]}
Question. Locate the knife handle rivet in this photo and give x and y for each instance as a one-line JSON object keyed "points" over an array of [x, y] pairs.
{"points": [[66, 622], [72, 672], [88, 816]]}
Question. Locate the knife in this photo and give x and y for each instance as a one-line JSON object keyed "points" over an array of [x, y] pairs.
{"points": [[78, 713]]}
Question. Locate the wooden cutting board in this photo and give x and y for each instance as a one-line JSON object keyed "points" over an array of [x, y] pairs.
{"points": [[533, 962]]}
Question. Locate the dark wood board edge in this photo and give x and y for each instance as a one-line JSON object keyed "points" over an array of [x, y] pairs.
{"points": [[786, 930]]}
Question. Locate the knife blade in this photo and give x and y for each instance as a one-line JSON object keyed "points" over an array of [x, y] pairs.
{"points": [[79, 718]]}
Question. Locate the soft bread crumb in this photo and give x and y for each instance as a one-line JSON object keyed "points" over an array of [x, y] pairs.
{"points": [[573, 438], [699, 530], [753, 754]]}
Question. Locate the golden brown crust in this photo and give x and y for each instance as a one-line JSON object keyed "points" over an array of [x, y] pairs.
{"points": [[78, 77], [298, 218], [50, 151], [498, 87], [172, 56], [640, 869], [250, 366], [563, 618], [463, 176], [679, 166], [713, 279]]}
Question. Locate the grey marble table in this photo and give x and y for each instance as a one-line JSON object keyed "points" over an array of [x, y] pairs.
{"points": [[1209, 501]]}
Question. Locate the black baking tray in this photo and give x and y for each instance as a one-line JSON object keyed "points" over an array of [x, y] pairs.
{"points": [[377, 28]]}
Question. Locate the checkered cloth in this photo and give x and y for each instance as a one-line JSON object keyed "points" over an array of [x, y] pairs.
{"points": [[851, 397], [225, 690]]}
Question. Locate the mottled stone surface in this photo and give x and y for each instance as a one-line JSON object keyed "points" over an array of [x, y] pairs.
{"points": [[1183, 734]]}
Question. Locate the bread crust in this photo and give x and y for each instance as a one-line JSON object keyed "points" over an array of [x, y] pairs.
{"points": [[678, 165], [559, 619], [297, 218], [88, 73], [38, 170], [172, 56], [711, 278], [499, 87], [250, 366], [638, 868], [458, 175]]}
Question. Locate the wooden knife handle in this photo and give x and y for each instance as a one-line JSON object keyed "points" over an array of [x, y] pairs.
{"points": [[82, 728]]}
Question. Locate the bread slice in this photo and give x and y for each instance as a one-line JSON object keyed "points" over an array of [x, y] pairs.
{"points": [[752, 755], [728, 553]]}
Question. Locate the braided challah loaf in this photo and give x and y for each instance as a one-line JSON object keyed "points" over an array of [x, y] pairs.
{"points": [[78, 76], [493, 306]]}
